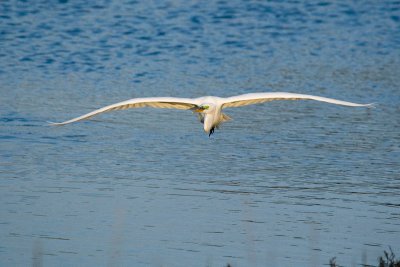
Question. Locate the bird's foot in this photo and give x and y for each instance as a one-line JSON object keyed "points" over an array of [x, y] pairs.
{"points": [[211, 131]]}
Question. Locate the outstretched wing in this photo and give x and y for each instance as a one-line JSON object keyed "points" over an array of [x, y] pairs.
{"points": [[154, 102], [257, 98]]}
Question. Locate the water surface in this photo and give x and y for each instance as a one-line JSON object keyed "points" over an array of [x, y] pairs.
{"points": [[283, 184]]}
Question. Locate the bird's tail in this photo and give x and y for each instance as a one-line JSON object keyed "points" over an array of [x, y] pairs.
{"points": [[222, 118]]}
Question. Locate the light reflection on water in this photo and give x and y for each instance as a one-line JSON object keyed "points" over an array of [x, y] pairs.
{"points": [[285, 183]]}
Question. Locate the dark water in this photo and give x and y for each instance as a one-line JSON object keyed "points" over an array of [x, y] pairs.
{"points": [[283, 184]]}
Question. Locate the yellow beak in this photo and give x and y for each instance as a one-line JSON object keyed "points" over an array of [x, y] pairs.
{"points": [[199, 110]]}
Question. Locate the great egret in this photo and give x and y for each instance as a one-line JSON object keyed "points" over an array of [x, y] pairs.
{"points": [[209, 108]]}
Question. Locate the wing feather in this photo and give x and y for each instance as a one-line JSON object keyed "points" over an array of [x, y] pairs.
{"points": [[154, 102], [257, 98]]}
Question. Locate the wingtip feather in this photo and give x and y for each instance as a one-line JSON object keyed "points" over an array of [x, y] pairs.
{"points": [[50, 123]]}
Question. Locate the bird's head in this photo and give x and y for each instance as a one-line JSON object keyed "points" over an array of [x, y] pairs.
{"points": [[205, 108]]}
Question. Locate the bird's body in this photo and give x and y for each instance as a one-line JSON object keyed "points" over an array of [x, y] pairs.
{"points": [[209, 108]]}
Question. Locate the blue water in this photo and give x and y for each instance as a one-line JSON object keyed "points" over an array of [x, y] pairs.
{"points": [[283, 184]]}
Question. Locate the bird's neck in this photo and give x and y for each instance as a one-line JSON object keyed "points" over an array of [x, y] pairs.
{"points": [[208, 122]]}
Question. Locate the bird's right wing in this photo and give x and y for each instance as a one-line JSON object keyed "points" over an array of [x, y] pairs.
{"points": [[155, 102], [257, 98]]}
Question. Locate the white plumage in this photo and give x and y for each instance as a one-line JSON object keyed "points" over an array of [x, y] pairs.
{"points": [[208, 107]]}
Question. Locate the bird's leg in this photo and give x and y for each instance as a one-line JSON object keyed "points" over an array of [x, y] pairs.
{"points": [[211, 131]]}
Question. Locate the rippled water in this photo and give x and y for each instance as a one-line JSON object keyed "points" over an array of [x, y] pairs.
{"points": [[283, 184]]}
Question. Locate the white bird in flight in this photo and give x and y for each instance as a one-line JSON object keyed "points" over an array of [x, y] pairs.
{"points": [[209, 108]]}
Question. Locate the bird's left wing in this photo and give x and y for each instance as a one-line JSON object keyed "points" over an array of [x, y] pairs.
{"points": [[155, 102], [257, 98]]}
